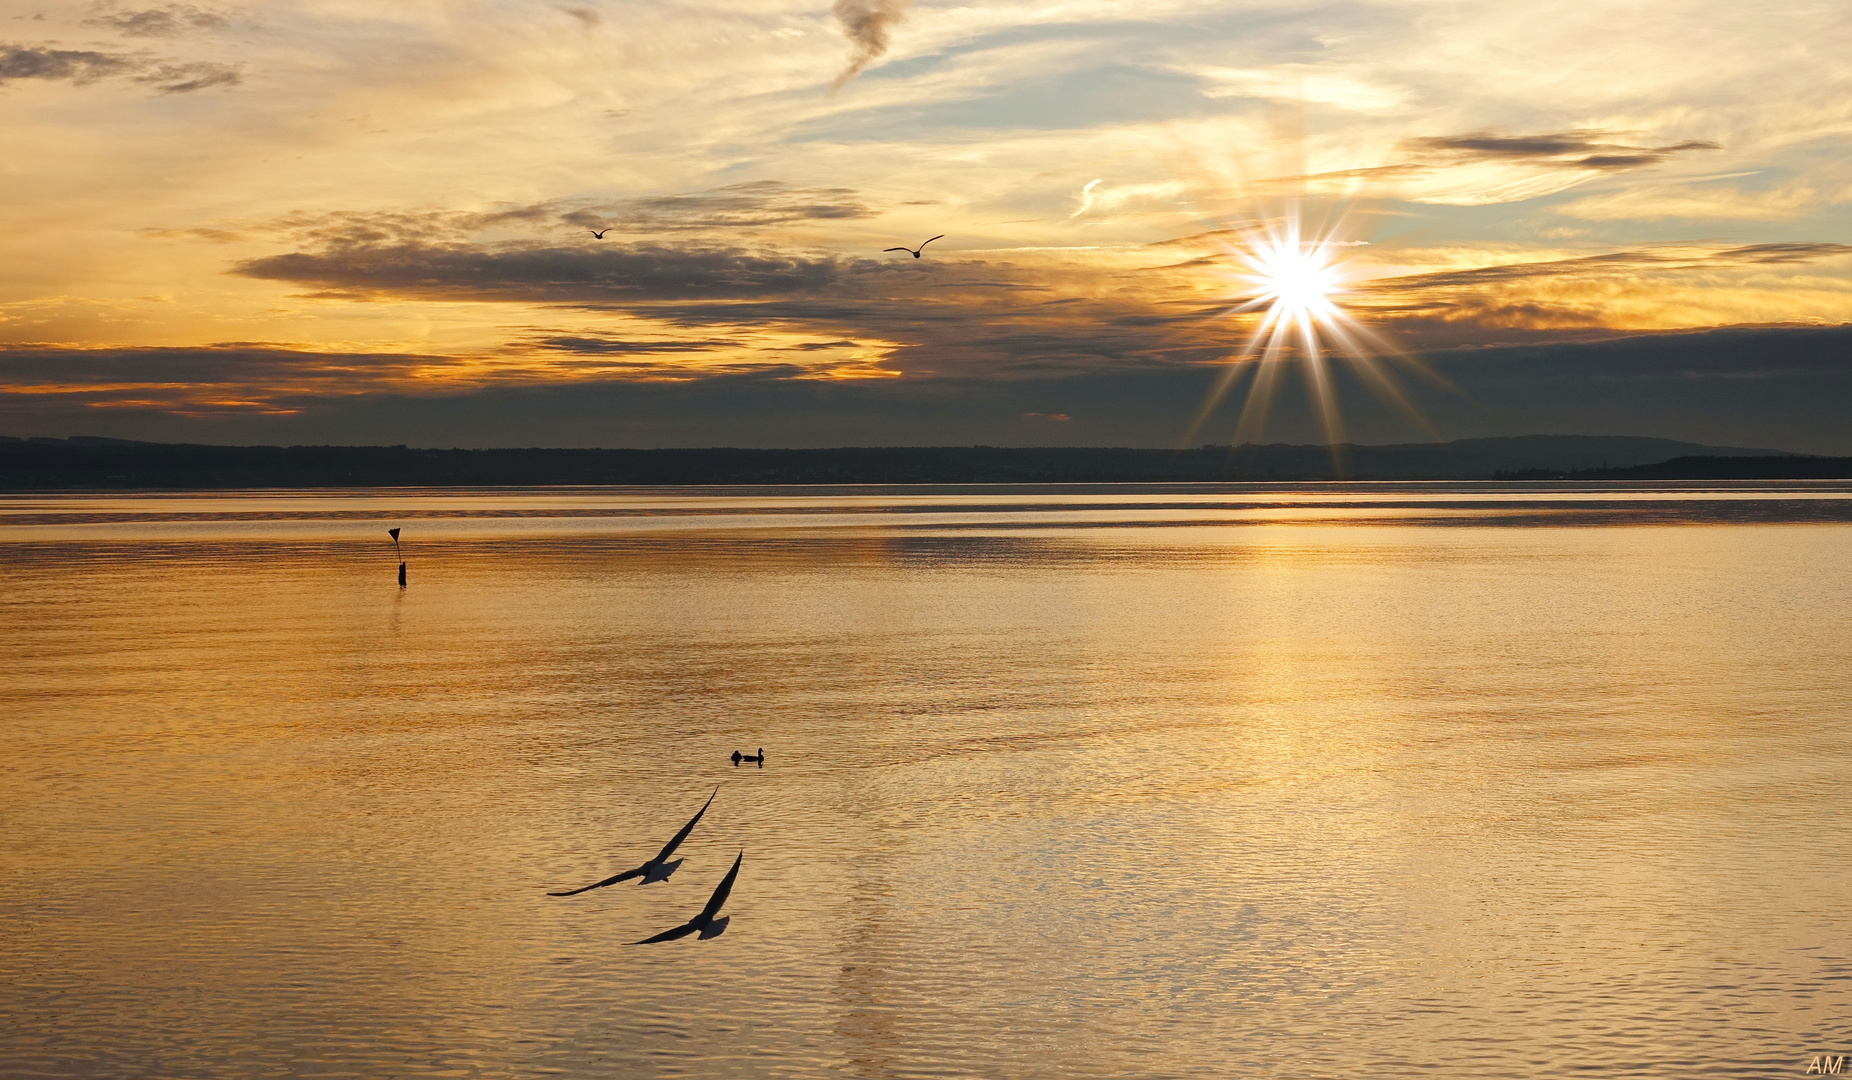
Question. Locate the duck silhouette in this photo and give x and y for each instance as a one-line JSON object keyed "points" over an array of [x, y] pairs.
{"points": [[739, 757]]}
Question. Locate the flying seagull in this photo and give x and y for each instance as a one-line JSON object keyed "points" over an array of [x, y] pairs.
{"points": [[705, 922], [658, 868], [598, 234], [915, 252]]}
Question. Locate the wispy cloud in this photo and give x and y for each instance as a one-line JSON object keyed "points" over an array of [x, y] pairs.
{"points": [[607, 273], [1693, 202], [1563, 149], [613, 346], [171, 20], [218, 379], [589, 18], [748, 205], [731, 209], [76, 65], [83, 66], [1611, 292], [868, 24]]}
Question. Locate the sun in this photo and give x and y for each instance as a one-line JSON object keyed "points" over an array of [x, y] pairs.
{"points": [[1296, 284]]}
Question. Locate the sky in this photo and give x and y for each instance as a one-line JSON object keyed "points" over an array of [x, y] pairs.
{"points": [[335, 221]]}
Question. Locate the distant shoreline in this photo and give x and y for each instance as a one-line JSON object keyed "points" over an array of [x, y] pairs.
{"points": [[107, 464]]}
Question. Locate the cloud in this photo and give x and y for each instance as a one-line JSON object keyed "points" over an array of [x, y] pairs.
{"points": [[86, 66], [1097, 201], [938, 315], [709, 306], [754, 205], [749, 205], [210, 380], [1786, 253], [1660, 202], [169, 21], [612, 273], [78, 66], [1304, 83], [1611, 294], [1485, 168], [1581, 149], [1614, 262], [868, 23], [1761, 386], [1471, 277], [589, 18], [605, 346], [187, 77]]}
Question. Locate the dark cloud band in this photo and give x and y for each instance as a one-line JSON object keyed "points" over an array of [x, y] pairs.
{"points": [[1781, 387], [87, 66], [1565, 149], [614, 273]]}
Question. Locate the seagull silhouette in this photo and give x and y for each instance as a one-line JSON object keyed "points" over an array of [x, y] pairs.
{"points": [[705, 922], [658, 868], [598, 234], [915, 252]]}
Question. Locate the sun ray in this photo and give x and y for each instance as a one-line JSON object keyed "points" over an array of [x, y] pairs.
{"points": [[1292, 282]]}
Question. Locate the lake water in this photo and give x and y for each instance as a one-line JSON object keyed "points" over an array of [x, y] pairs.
{"points": [[1457, 780]]}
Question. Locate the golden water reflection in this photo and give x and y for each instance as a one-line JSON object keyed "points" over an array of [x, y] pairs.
{"points": [[1081, 790]]}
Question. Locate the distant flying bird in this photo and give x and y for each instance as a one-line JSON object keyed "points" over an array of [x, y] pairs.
{"points": [[739, 757], [915, 252], [598, 234], [705, 922], [658, 868]]}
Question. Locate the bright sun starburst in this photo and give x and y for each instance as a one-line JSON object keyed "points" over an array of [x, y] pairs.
{"points": [[1296, 284], [1294, 281]]}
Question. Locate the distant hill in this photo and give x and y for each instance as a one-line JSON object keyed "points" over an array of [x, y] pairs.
{"points": [[88, 462], [1718, 467], [1479, 458]]}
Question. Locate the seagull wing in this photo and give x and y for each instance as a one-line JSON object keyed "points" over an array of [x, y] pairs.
{"points": [[668, 849], [907, 250], [625, 876], [681, 931], [720, 892], [923, 243]]}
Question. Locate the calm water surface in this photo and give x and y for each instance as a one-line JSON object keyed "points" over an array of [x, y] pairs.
{"points": [[1172, 781]]}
